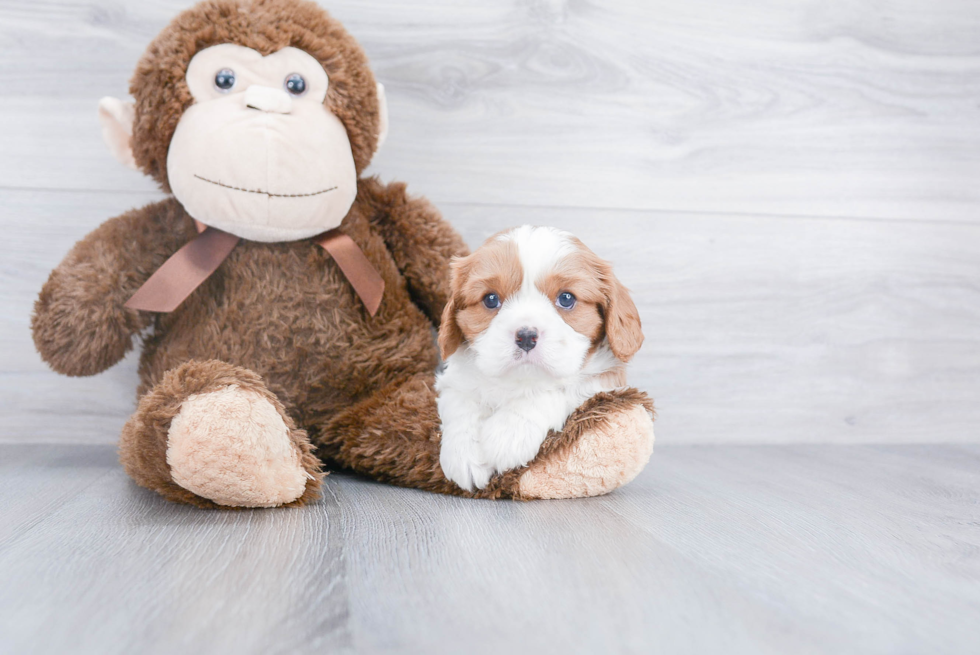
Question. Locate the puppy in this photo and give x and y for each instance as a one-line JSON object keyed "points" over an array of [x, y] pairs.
{"points": [[536, 325]]}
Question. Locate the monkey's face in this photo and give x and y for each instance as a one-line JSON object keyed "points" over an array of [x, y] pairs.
{"points": [[258, 154]]}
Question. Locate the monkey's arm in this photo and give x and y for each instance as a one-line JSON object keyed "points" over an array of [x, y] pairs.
{"points": [[420, 241], [80, 325]]}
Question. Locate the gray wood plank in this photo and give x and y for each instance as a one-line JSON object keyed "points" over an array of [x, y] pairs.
{"points": [[712, 549], [117, 569], [36, 482], [785, 108], [759, 329], [736, 549]]}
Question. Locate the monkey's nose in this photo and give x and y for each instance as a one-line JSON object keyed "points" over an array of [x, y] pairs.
{"points": [[526, 339], [265, 98]]}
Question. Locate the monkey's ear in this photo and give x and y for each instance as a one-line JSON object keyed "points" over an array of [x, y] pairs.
{"points": [[117, 118], [382, 117]]}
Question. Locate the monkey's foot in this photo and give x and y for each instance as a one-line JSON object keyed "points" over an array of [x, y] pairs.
{"points": [[231, 446], [604, 445], [211, 434]]}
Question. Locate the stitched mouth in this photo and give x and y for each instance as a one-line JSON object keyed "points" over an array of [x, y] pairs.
{"points": [[264, 193]]}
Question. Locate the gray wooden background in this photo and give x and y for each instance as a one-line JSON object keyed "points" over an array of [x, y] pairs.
{"points": [[790, 188]]}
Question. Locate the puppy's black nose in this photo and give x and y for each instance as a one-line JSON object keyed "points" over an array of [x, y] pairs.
{"points": [[526, 339]]}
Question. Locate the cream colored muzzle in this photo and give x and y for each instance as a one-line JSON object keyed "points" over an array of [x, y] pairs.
{"points": [[265, 98]]}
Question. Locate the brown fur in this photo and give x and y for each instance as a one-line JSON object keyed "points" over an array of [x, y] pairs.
{"points": [[576, 277], [279, 319], [266, 26], [282, 311], [406, 410], [143, 444], [494, 268], [450, 334], [598, 285]]}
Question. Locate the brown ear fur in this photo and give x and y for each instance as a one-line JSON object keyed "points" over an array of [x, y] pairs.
{"points": [[622, 321], [450, 334], [267, 26], [623, 329]]}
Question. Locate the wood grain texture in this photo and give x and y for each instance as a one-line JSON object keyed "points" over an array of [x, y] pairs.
{"points": [[764, 549], [840, 108], [766, 133], [759, 329]]}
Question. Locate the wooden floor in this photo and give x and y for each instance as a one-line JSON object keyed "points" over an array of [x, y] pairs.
{"points": [[790, 189], [714, 549]]}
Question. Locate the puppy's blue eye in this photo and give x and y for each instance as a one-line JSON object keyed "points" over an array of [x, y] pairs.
{"points": [[491, 301], [224, 79], [295, 84], [565, 300]]}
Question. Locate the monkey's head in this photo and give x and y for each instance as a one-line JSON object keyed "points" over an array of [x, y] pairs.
{"points": [[258, 115]]}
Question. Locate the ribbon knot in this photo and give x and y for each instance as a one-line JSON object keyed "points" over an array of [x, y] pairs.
{"points": [[190, 266]]}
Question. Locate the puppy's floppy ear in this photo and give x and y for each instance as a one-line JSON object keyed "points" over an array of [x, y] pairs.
{"points": [[623, 328], [450, 334]]}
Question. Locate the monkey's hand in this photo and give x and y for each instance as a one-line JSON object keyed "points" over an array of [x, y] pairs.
{"points": [[420, 241], [80, 324]]}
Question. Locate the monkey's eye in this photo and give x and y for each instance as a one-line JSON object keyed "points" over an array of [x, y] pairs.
{"points": [[224, 79], [491, 301], [295, 84], [565, 300]]}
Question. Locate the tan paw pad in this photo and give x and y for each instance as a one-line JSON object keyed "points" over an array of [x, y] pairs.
{"points": [[599, 462], [232, 447]]}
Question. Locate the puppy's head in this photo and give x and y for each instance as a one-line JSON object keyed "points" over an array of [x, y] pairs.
{"points": [[536, 299]]}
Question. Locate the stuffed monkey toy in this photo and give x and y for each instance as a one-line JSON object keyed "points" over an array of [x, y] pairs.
{"points": [[284, 304]]}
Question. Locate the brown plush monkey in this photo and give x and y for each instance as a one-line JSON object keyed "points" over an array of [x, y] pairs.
{"points": [[258, 117]]}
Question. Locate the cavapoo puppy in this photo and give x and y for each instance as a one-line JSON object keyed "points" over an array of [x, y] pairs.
{"points": [[536, 325]]}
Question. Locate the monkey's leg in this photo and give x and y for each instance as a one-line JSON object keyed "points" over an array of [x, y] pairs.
{"points": [[211, 434], [394, 436]]}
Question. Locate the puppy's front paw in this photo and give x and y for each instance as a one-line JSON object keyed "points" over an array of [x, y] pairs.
{"points": [[510, 439], [461, 463], [607, 443]]}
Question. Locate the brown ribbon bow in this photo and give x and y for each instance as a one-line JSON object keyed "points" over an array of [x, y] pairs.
{"points": [[197, 260]]}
